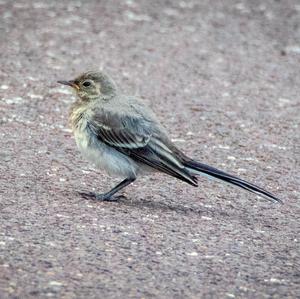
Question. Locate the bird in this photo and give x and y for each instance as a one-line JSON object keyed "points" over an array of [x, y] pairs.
{"points": [[122, 135]]}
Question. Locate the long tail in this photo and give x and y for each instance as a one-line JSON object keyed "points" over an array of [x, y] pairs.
{"points": [[202, 169]]}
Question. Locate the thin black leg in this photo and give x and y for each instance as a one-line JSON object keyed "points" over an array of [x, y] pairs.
{"points": [[108, 196]]}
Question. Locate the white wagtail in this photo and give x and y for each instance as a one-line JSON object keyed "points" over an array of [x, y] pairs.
{"points": [[119, 134]]}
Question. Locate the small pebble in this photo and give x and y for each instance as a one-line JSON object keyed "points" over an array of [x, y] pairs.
{"points": [[231, 158], [206, 218], [55, 283], [192, 254]]}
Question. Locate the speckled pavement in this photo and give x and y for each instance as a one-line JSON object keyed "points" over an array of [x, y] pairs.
{"points": [[224, 78]]}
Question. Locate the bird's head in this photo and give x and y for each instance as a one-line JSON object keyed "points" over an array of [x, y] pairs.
{"points": [[92, 85]]}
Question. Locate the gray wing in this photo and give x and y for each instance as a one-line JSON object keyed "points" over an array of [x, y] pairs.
{"points": [[141, 140]]}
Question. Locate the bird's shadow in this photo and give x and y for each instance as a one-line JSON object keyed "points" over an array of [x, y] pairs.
{"points": [[161, 206], [232, 213]]}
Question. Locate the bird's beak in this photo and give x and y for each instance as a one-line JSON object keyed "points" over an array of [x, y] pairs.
{"points": [[69, 83]]}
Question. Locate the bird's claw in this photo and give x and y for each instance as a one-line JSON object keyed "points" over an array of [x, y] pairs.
{"points": [[100, 197]]}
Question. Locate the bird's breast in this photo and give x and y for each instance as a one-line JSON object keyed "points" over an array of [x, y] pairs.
{"points": [[101, 155], [78, 121], [77, 116]]}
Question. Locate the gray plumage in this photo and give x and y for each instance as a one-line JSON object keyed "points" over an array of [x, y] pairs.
{"points": [[121, 135]]}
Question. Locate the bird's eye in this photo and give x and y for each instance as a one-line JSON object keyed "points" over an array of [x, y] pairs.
{"points": [[86, 83]]}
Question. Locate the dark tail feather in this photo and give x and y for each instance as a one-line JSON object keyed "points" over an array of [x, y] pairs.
{"points": [[218, 174]]}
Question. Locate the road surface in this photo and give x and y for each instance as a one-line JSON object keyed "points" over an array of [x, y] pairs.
{"points": [[224, 78]]}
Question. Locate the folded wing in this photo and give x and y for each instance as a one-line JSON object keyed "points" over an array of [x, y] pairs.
{"points": [[139, 139]]}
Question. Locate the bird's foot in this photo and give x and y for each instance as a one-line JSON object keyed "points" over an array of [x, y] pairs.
{"points": [[107, 197], [101, 197]]}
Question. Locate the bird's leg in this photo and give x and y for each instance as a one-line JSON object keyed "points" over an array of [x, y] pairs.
{"points": [[109, 195]]}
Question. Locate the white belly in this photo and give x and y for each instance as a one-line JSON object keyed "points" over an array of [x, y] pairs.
{"points": [[103, 156]]}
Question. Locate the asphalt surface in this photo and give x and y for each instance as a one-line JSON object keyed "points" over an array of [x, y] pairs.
{"points": [[224, 78]]}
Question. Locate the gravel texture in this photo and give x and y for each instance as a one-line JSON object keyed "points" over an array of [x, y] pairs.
{"points": [[224, 77]]}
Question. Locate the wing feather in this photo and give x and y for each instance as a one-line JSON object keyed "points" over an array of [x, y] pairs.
{"points": [[139, 139]]}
